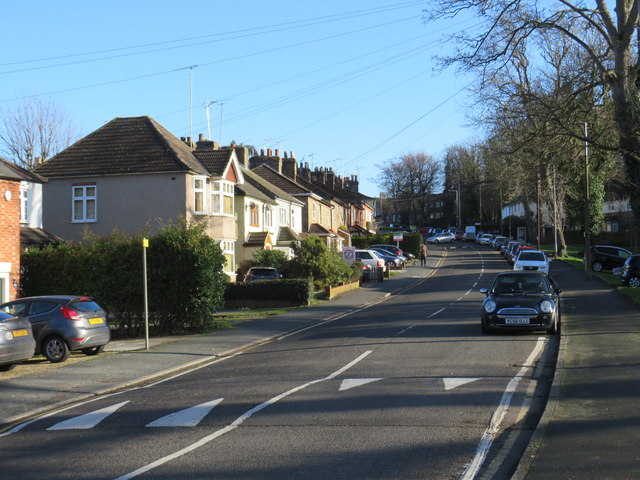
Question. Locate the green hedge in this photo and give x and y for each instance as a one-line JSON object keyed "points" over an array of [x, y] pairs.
{"points": [[186, 282], [278, 292]]}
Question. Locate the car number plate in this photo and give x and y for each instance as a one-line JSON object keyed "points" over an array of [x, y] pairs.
{"points": [[20, 333], [95, 321], [517, 321]]}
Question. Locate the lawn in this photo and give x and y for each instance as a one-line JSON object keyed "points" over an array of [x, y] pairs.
{"points": [[607, 277]]}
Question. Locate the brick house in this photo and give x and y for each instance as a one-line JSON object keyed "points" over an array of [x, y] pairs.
{"points": [[10, 178]]}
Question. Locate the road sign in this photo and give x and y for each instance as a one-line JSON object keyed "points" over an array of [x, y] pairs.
{"points": [[349, 254]]}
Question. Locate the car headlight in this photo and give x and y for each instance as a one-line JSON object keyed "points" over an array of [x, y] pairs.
{"points": [[517, 267], [546, 306], [489, 306]]}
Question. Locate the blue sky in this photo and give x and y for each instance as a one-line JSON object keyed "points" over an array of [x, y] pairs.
{"points": [[346, 85]]}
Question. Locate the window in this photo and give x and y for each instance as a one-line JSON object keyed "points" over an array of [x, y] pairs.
{"points": [[84, 203], [283, 216], [198, 193], [228, 250], [315, 213], [268, 216], [254, 219], [222, 198], [24, 205]]}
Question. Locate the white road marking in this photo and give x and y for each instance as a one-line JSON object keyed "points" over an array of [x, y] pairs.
{"points": [[88, 420], [451, 383], [496, 419], [356, 382], [405, 330], [436, 313], [237, 422], [189, 417]]}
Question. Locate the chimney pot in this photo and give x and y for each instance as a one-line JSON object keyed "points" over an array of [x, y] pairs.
{"points": [[277, 152], [262, 152], [269, 152], [201, 137]]}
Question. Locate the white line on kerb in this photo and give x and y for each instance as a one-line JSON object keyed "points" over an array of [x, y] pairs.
{"points": [[497, 417], [238, 421]]}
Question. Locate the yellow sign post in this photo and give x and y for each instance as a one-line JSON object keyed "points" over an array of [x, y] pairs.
{"points": [[145, 245]]}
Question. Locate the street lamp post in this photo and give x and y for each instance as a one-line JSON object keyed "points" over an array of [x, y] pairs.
{"points": [[587, 229]]}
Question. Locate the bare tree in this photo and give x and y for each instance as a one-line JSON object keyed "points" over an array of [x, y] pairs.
{"points": [[511, 24], [34, 130], [408, 181]]}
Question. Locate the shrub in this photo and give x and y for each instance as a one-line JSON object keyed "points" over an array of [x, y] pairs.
{"points": [[315, 261]]}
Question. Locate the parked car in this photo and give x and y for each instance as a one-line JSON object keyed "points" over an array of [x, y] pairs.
{"points": [[631, 271], [394, 250], [469, 237], [262, 273], [521, 301], [607, 257], [62, 324], [390, 258], [532, 260], [483, 238], [445, 237], [459, 234], [497, 240], [16, 341], [425, 230], [372, 265]]}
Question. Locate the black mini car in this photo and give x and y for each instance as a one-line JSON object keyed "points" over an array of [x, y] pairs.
{"points": [[521, 301], [630, 276]]}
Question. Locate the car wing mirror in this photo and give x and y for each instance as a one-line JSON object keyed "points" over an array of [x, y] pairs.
{"points": [[558, 291], [484, 290]]}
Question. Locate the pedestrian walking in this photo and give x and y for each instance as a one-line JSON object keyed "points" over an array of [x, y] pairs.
{"points": [[424, 252]]}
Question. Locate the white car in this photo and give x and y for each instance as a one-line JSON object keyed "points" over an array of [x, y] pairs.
{"points": [[372, 265], [445, 237], [532, 260]]}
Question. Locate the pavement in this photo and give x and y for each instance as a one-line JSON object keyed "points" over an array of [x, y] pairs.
{"points": [[590, 428]]}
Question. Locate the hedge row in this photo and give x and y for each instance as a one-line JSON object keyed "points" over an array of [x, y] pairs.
{"points": [[186, 282], [283, 292]]}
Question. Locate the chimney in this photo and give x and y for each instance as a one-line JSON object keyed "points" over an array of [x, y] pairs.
{"points": [[290, 168], [206, 145], [277, 152], [269, 152]]}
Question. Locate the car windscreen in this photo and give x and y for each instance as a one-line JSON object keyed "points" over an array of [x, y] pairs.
{"points": [[531, 256], [520, 284], [85, 305], [262, 271]]}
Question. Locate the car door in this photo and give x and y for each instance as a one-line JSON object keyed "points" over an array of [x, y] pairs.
{"points": [[41, 314]]}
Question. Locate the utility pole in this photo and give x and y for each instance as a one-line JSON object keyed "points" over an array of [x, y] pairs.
{"points": [[587, 228]]}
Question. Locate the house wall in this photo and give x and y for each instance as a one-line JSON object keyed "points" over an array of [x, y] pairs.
{"points": [[128, 203], [9, 239]]}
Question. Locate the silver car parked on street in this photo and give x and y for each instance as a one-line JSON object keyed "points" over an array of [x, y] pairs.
{"points": [[62, 324], [16, 341]]}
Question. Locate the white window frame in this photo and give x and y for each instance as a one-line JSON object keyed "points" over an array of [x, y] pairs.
{"points": [[84, 198], [24, 204], [199, 191], [268, 216], [221, 190]]}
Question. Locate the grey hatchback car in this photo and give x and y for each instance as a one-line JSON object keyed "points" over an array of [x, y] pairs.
{"points": [[16, 341], [62, 324]]}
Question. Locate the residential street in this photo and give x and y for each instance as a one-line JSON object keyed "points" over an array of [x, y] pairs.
{"points": [[401, 389]]}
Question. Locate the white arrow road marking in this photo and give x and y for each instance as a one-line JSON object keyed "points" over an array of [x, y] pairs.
{"points": [[356, 382], [451, 383], [189, 417], [88, 420]]}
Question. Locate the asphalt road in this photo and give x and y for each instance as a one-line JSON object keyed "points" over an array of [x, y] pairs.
{"points": [[407, 388]]}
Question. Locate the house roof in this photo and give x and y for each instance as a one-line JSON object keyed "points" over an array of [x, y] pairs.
{"points": [[286, 235], [30, 236], [250, 190], [285, 183], [11, 171], [214, 160], [266, 187], [124, 146]]}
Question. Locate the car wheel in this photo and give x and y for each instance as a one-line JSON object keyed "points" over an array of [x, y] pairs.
{"points": [[6, 368], [634, 282], [55, 349], [91, 351], [596, 266]]}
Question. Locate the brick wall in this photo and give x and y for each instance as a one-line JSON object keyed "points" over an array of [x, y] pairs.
{"points": [[10, 231]]}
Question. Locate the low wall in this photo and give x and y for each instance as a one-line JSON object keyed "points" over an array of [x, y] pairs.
{"points": [[332, 292]]}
